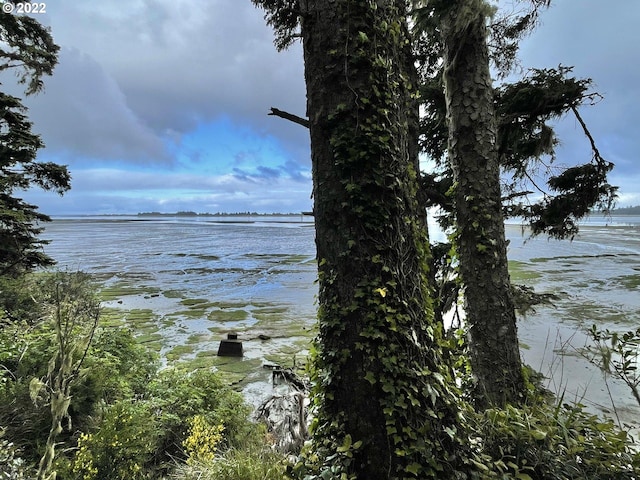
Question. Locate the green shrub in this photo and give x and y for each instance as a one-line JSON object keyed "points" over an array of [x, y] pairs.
{"points": [[146, 435], [115, 368], [122, 448], [249, 463], [202, 441], [19, 298], [543, 442], [179, 397], [126, 419]]}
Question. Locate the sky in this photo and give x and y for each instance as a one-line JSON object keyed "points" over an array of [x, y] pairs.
{"points": [[161, 105]]}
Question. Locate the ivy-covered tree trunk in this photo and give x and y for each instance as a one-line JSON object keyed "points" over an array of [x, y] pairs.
{"points": [[494, 350], [384, 403]]}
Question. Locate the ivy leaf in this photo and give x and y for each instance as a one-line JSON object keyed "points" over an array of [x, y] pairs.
{"points": [[363, 37], [346, 445], [370, 377], [381, 291], [523, 476]]}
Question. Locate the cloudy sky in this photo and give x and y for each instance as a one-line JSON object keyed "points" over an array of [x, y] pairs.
{"points": [[161, 105]]}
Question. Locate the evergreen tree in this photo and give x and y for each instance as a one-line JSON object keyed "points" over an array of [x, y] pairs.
{"points": [[476, 134], [29, 51]]}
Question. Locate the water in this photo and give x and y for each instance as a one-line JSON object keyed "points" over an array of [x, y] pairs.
{"points": [[596, 279], [255, 276], [225, 260], [264, 268]]}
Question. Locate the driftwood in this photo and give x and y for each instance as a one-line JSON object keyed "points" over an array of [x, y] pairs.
{"points": [[288, 376], [286, 416]]}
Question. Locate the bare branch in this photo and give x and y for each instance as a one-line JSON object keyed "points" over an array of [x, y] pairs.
{"points": [[596, 153], [289, 116]]}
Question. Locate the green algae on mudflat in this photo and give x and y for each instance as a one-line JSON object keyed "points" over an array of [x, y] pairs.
{"points": [[187, 314], [194, 302], [154, 340], [143, 322], [228, 315], [281, 258], [520, 272], [288, 360], [137, 319], [121, 289], [167, 332], [167, 322], [589, 313], [197, 338], [234, 370], [630, 282], [266, 313], [196, 255], [173, 294], [111, 317], [179, 351], [196, 308]]}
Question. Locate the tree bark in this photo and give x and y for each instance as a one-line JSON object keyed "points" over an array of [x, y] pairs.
{"points": [[382, 394], [494, 350]]}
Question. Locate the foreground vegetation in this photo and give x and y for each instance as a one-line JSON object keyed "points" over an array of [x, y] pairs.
{"points": [[122, 415], [125, 417]]}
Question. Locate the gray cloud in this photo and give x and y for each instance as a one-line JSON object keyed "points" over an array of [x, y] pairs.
{"points": [[136, 77], [83, 113], [181, 62], [120, 191]]}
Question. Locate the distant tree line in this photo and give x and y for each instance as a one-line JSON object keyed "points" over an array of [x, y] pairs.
{"points": [[627, 211], [217, 214]]}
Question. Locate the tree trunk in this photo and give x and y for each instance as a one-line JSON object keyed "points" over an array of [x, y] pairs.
{"points": [[383, 398], [494, 351]]}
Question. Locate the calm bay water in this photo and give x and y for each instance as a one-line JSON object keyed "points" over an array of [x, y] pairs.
{"points": [[596, 279], [262, 269], [203, 278]]}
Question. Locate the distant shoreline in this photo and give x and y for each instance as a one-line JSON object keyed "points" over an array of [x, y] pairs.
{"points": [[182, 214], [217, 214], [625, 211], [618, 211]]}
